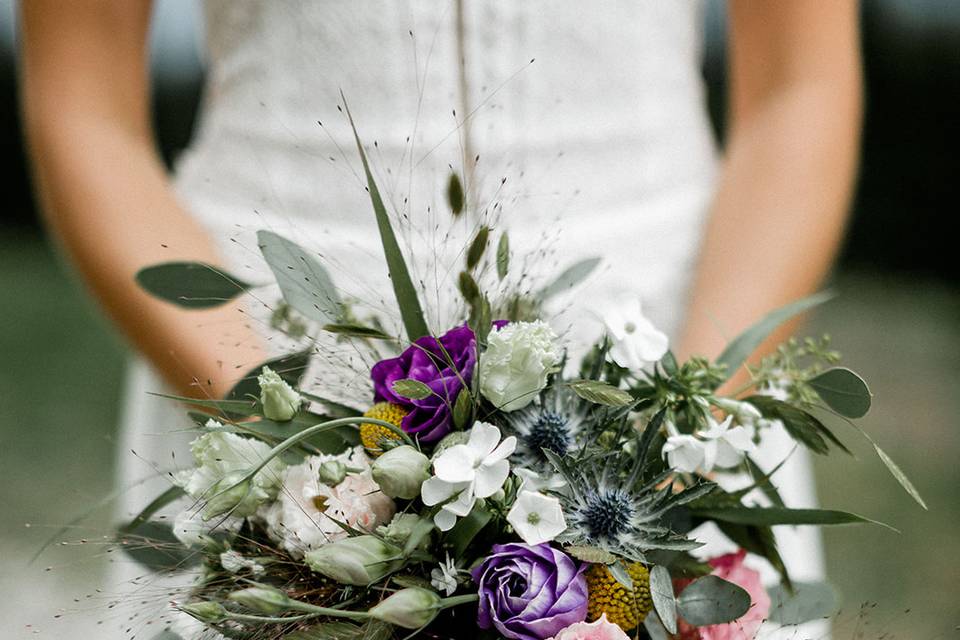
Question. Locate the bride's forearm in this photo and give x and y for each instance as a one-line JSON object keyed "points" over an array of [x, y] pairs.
{"points": [[107, 199], [784, 191]]}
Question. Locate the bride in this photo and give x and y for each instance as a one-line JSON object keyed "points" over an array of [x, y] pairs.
{"points": [[594, 113]]}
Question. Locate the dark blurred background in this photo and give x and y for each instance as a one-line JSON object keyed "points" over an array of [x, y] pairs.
{"points": [[897, 322]]}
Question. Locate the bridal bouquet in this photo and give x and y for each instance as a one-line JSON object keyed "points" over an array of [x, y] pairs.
{"points": [[488, 486]]}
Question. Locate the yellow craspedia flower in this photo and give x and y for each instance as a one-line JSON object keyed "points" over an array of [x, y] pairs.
{"points": [[623, 606], [372, 435]]}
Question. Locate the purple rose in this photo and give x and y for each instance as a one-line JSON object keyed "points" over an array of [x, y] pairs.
{"points": [[444, 365], [530, 592]]}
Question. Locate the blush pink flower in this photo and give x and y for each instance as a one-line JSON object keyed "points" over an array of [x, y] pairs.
{"points": [[600, 629], [730, 567]]}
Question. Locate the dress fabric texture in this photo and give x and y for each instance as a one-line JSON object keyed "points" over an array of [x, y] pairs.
{"points": [[594, 113]]}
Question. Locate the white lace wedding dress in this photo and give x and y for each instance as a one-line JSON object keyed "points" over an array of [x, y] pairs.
{"points": [[603, 140]]}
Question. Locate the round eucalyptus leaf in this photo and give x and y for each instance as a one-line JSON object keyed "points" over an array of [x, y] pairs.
{"points": [[712, 600], [192, 285], [843, 390]]}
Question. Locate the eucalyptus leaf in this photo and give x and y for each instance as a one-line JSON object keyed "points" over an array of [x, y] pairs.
{"points": [[654, 627], [304, 282], [712, 600], [661, 591], [593, 555], [405, 292], [477, 247], [805, 602], [462, 409], [770, 516], [503, 256], [621, 575], [843, 390], [191, 285], [601, 393], [154, 546], [356, 331], [569, 278], [741, 347], [412, 389], [455, 196]]}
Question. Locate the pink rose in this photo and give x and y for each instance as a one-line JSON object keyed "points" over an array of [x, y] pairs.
{"points": [[601, 629], [730, 567]]}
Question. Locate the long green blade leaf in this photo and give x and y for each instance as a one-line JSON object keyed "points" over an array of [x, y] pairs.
{"points": [[403, 288], [770, 516], [747, 342]]}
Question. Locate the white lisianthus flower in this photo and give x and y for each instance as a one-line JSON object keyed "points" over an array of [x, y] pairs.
{"points": [[515, 366], [192, 530], [465, 472], [635, 342], [537, 518], [220, 456], [720, 446], [305, 515], [280, 402], [444, 577]]}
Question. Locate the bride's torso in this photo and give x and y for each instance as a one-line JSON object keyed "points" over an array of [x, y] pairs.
{"points": [[603, 139]]}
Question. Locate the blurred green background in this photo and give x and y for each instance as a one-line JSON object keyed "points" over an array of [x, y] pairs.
{"points": [[897, 322]]}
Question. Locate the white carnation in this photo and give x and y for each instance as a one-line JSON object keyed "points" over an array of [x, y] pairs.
{"points": [[306, 514], [515, 366], [219, 454]]}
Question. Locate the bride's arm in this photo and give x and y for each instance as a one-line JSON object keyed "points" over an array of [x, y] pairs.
{"points": [[104, 191], [789, 166]]}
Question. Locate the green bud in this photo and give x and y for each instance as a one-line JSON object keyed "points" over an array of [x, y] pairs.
{"points": [[332, 472], [206, 612], [449, 440], [227, 495], [401, 471], [360, 560], [409, 608], [263, 600], [399, 530], [280, 402]]}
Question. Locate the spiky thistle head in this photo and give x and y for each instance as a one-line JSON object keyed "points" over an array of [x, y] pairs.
{"points": [[555, 424]]}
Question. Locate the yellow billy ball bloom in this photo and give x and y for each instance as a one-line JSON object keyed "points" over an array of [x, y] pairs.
{"points": [[623, 606], [373, 435]]}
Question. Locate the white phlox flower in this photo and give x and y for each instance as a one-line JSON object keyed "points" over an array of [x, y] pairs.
{"points": [[536, 517], [635, 342], [465, 472], [444, 577], [720, 446]]}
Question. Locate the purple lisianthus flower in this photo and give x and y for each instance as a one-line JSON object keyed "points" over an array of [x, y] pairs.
{"points": [[530, 592], [444, 365]]}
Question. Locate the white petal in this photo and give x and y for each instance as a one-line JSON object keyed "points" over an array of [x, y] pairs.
{"points": [[716, 429], [740, 438], [726, 455], [463, 505], [456, 464], [709, 455], [503, 451], [444, 520], [684, 453], [434, 491], [490, 478], [483, 439]]}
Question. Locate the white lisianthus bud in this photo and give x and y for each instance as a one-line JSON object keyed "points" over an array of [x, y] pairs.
{"points": [[206, 612], [358, 561], [409, 608], [401, 471], [227, 496], [332, 472], [262, 599], [745, 413], [280, 402]]}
